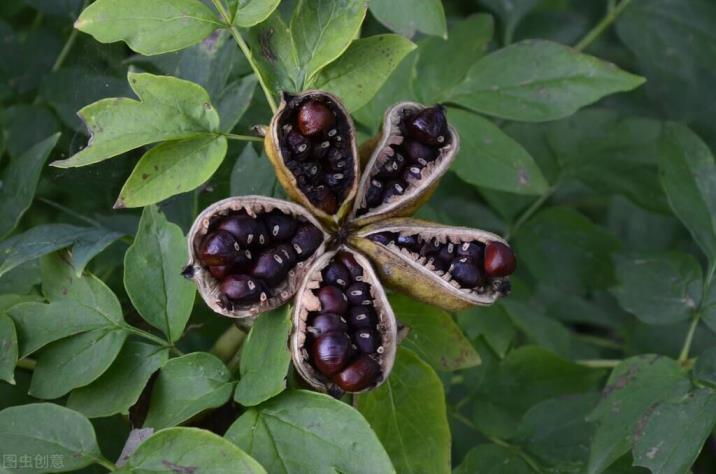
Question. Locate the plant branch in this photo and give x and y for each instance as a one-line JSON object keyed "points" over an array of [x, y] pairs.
{"points": [[151, 337], [686, 347], [105, 463], [68, 44], [229, 343], [599, 363], [517, 450], [599, 28], [245, 138], [599, 341], [246, 50], [529, 212], [27, 364]]}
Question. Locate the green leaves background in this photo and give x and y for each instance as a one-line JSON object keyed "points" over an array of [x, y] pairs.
{"points": [[587, 135]]}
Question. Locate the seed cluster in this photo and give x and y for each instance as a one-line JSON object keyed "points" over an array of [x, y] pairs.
{"points": [[316, 147], [252, 256], [424, 134], [343, 338], [471, 266]]}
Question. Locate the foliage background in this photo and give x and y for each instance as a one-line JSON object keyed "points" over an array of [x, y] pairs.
{"points": [[602, 360]]}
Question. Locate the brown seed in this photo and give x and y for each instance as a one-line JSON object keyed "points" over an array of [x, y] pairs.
{"points": [[332, 299], [361, 374], [499, 260], [314, 117], [330, 352]]}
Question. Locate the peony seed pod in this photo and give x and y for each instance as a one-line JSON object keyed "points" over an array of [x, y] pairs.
{"points": [[373, 326], [455, 284], [311, 145], [274, 270], [403, 168]]}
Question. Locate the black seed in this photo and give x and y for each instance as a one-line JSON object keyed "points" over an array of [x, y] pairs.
{"points": [[359, 294], [287, 252], [299, 145], [428, 126], [394, 188], [412, 173], [327, 322], [409, 242], [362, 316], [417, 153], [337, 274], [332, 299], [218, 248], [320, 150], [466, 273], [366, 340], [241, 288], [472, 250], [307, 239], [383, 238], [392, 168], [354, 268], [337, 162], [247, 230], [374, 195], [334, 179], [271, 267], [280, 226], [331, 352]]}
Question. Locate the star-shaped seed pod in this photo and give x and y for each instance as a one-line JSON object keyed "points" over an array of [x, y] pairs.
{"points": [[346, 237]]}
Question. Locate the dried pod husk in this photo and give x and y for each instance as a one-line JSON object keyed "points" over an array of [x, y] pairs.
{"points": [[426, 260], [418, 177], [381, 327], [291, 267], [318, 168]]}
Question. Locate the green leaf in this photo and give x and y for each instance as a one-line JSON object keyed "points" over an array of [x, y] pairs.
{"points": [[360, 72], [510, 13], [408, 414], [253, 12], [8, 349], [491, 323], [265, 358], [466, 43], [75, 362], [633, 388], [556, 432], [546, 374], [168, 109], [674, 432], [38, 324], [659, 288], [301, 431], [87, 86], [19, 181], [46, 429], [433, 335], [43, 239], [152, 274], [121, 385], [493, 459], [488, 157], [537, 81], [190, 450], [155, 27], [234, 101], [688, 174], [538, 328], [172, 168], [564, 249], [252, 174], [407, 17], [705, 367], [26, 125], [186, 386], [320, 31]]}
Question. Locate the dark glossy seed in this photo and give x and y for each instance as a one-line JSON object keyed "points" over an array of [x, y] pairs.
{"points": [[359, 375], [383, 238], [314, 117], [418, 153], [362, 317], [299, 145], [334, 179], [280, 226], [320, 150], [311, 171], [336, 160], [330, 352], [409, 242], [412, 173], [247, 230], [270, 267], [392, 168], [327, 322], [472, 250], [218, 248], [332, 299], [445, 256], [499, 260], [359, 294], [374, 195], [306, 240], [287, 252], [466, 272], [366, 340], [337, 274], [394, 188], [354, 268], [241, 288], [428, 126]]}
